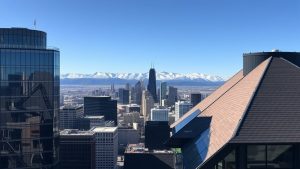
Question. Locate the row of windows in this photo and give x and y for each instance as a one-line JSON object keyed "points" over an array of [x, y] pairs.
{"points": [[270, 156], [29, 89], [22, 38], [261, 157], [29, 74], [9, 57]]}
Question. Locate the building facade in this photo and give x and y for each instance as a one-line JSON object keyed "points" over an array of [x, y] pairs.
{"points": [[147, 104], [30, 78], [123, 96], [106, 147], [101, 106], [137, 94], [172, 96], [181, 107], [152, 84], [158, 114], [157, 134], [88, 122], [137, 157], [196, 98], [163, 92], [127, 135], [69, 116], [77, 149]]}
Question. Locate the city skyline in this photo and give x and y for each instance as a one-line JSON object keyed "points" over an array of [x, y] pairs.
{"points": [[212, 35]]}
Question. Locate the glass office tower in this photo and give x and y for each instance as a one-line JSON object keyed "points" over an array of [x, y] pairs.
{"points": [[29, 100]]}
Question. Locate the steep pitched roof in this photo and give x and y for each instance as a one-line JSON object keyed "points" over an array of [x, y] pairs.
{"points": [[226, 106], [228, 110], [211, 98], [274, 113]]}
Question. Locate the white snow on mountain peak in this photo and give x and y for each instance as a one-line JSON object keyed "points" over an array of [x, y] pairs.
{"points": [[141, 76]]}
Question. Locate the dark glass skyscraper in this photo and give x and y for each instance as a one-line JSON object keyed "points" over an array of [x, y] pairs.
{"points": [[138, 93], [101, 106], [29, 100], [152, 84], [123, 96]]}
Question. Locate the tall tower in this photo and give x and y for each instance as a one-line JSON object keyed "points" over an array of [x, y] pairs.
{"points": [[152, 84], [163, 92], [138, 93], [29, 107]]}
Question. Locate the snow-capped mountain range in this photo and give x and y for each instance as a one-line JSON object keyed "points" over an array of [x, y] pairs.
{"points": [[161, 76]]}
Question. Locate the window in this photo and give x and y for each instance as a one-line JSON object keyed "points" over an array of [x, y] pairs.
{"points": [[280, 156], [256, 156], [270, 156]]}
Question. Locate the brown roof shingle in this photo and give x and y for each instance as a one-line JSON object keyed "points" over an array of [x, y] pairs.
{"points": [[274, 114]]}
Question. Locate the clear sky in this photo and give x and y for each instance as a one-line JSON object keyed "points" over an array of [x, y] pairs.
{"points": [[183, 36]]}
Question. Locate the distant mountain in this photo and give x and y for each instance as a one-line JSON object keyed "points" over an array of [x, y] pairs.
{"points": [[122, 78]]}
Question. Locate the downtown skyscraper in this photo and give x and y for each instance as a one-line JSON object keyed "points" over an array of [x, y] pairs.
{"points": [[152, 84], [29, 93]]}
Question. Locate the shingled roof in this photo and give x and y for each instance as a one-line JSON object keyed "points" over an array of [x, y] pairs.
{"points": [[260, 106], [274, 113]]}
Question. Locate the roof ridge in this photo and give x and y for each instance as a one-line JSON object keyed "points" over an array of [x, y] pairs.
{"points": [[267, 62], [290, 62], [195, 108], [250, 101]]}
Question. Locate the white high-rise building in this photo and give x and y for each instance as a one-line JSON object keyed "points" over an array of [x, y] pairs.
{"points": [[181, 107], [158, 114], [147, 104], [106, 147]]}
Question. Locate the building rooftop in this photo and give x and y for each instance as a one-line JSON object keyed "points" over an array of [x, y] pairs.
{"points": [[75, 132], [140, 148], [257, 107], [71, 107], [104, 129], [94, 117]]}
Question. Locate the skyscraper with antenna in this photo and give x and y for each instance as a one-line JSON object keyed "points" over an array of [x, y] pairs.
{"points": [[152, 83]]}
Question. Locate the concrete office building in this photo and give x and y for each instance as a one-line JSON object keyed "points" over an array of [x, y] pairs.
{"points": [[133, 117], [181, 107], [159, 114], [133, 108], [29, 110], [147, 104], [106, 147], [127, 135]]}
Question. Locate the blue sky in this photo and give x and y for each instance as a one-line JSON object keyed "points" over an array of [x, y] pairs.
{"points": [[206, 36]]}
